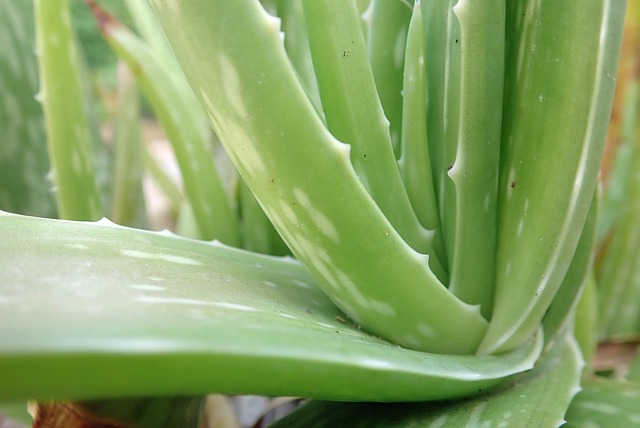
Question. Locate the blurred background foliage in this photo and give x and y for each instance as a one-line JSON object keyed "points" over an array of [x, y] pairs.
{"points": [[100, 58]]}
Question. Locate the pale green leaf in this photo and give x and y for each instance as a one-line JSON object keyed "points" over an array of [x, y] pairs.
{"points": [[537, 399], [355, 116], [473, 110], [414, 162], [304, 180], [605, 403], [551, 151], [387, 39], [102, 311]]}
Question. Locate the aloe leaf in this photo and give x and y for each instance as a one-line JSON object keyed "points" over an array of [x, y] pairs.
{"points": [[536, 399], [440, 31], [99, 311], [605, 403], [386, 41], [68, 133], [414, 161], [24, 165], [473, 108], [304, 179], [561, 311], [127, 206], [551, 153], [464, 46], [180, 114], [354, 114]]}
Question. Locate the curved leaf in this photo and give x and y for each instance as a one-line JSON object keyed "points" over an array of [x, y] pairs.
{"points": [[537, 399], [101, 311], [605, 403], [414, 162], [387, 38], [304, 180], [556, 51], [355, 115], [472, 148]]}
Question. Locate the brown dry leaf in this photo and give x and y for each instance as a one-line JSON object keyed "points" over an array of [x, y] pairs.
{"points": [[70, 415]]}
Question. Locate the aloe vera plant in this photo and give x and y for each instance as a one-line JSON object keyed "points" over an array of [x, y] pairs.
{"points": [[433, 175]]}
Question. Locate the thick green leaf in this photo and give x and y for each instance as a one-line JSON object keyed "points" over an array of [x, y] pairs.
{"points": [[441, 32], [537, 399], [387, 38], [556, 51], [473, 118], [605, 403], [464, 58], [355, 116], [414, 162], [304, 179], [101, 311]]}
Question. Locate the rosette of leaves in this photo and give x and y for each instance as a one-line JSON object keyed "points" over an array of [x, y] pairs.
{"points": [[432, 169]]}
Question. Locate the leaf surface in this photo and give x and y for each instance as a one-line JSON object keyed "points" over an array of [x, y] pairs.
{"points": [[101, 311], [605, 403], [536, 399]]}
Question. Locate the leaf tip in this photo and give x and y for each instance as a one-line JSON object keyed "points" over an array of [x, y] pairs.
{"points": [[103, 18]]}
